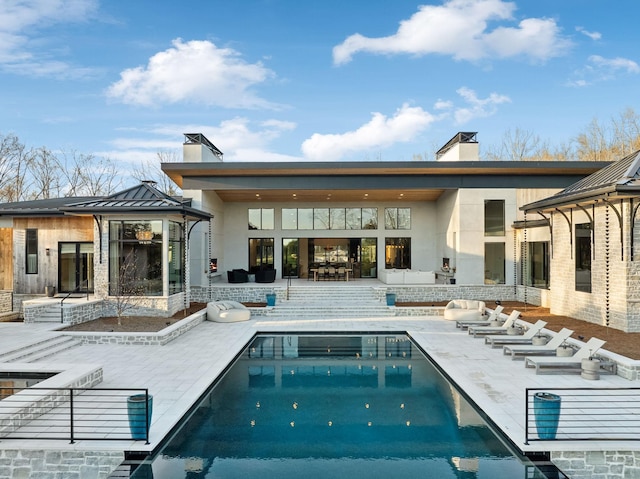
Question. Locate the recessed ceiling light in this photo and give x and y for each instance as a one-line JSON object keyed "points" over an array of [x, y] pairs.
{"points": [[401, 194], [294, 195], [366, 194]]}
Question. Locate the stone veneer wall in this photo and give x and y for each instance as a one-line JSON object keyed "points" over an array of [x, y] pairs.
{"points": [[6, 301], [160, 338], [244, 294], [63, 463], [620, 274], [77, 313], [447, 293], [598, 464]]}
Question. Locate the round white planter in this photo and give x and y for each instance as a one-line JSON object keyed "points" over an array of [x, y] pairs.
{"points": [[539, 340], [564, 352], [590, 368]]}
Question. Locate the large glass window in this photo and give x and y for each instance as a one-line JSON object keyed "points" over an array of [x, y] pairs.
{"points": [[31, 251], [176, 258], [331, 218], [135, 258], [397, 218], [537, 270], [494, 218], [321, 218], [397, 253], [369, 218], [353, 218], [305, 218], [261, 219], [337, 219], [583, 257], [289, 219], [260, 254], [494, 263]]}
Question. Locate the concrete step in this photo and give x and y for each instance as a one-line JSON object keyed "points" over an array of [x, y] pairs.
{"points": [[49, 315], [39, 350]]}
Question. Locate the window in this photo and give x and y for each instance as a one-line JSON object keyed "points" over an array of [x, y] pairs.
{"points": [[583, 257], [337, 219], [330, 218], [353, 217], [31, 251], [135, 258], [494, 218], [289, 219], [369, 218], [75, 266], [260, 254], [537, 265], [321, 218], [397, 218], [176, 257], [261, 219], [397, 253], [494, 263]]}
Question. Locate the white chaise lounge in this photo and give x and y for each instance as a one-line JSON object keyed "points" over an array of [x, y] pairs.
{"points": [[565, 363], [227, 312]]}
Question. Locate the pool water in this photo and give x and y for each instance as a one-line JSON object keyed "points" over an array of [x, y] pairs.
{"points": [[334, 407]]}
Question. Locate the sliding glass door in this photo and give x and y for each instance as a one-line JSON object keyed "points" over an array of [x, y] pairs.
{"points": [[75, 267]]}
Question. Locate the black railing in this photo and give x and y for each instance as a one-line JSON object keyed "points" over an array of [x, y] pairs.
{"points": [[582, 414], [74, 414]]}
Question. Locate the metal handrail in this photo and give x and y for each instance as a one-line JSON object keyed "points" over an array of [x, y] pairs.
{"points": [[603, 414], [95, 414], [75, 290]]}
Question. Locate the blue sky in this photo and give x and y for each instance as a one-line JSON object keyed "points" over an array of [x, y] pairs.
{"points": [[291, 80]]}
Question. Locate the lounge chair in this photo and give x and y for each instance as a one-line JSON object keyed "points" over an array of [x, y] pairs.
{"points": [[562, 363], [498, 340], [549, 349], [484, 330], [464, 324]]}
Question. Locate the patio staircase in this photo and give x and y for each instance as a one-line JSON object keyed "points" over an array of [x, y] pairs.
{"points": [[331, 301], [39, 350]]}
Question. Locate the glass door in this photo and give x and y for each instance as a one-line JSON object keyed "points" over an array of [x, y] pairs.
{"points": [[290, 258], [75, 267]]}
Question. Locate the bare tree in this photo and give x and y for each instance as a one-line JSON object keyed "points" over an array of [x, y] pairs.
{"points": [[46, 173], [151, 170], [127, 292], [98, 176], [14, 157], [518, 145]]}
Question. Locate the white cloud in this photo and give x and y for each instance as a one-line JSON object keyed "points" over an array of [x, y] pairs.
{"points": [[614, 64], [379, 132], [26, 23], [239, 139], [592, 35], [599, 69], [459, 28], [478, 108], [195, 71]]}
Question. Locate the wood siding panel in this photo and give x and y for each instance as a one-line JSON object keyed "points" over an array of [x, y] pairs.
{"points": [[50, 232], [6, 258]]}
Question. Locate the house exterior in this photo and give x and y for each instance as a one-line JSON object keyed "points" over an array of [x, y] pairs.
{"points": [[136, 238], [594, 259], [560, 234], [378, 216]]}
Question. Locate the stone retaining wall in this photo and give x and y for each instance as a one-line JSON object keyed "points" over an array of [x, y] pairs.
{"points": [[159, 338], [598, 464], [68, 464]]}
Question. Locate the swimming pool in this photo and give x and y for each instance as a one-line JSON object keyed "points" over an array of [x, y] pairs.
{"points": [[334, 406]]}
